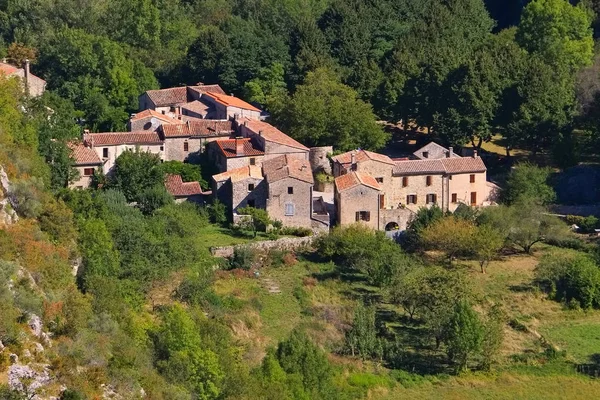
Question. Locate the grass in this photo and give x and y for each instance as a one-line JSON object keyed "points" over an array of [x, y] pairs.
{"points": [[216, 236], [579, 335]]}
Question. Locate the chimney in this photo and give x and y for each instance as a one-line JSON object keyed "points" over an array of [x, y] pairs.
{"points": [[260, 133], [450, 151], [239, 146], [474, 153], [353, 160]]}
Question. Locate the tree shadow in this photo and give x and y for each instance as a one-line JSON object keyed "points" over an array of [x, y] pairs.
{"points": [[521, 288], [591, 368]]}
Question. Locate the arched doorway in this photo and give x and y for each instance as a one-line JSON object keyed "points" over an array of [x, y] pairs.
{"points": [[392, 226]]}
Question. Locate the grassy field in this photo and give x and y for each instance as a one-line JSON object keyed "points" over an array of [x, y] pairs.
{"points": [[316, 299]]}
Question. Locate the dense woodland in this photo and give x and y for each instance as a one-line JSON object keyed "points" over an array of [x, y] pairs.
{"points": [[151, 314]]}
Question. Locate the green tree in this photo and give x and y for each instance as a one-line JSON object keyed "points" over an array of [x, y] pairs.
{"points": [[259, 218], [268, 88], [362, 339], [99, 256], [134, 172], [528, 183], [486, 242], [450, 235], [324, 112], [153, 198], [559, 32], [464, 335], [188, 172]]}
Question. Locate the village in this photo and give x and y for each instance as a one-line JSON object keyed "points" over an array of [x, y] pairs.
{"points": [[260, 166]]}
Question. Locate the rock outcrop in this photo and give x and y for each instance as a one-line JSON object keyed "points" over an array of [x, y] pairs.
{"points": [[8, 215]]}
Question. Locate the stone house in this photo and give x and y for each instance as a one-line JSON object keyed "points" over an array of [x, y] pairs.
{"points": [[239, 188], [228, 154], [185, 191], [171, 100], [406, 185], [34, 86], [271, 140], [357, 199], [289, 190], [109, 146], [150, 120], [86, 162], [189, 139], [230, 106]]}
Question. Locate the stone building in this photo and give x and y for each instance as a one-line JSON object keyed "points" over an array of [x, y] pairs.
{"points": [[240, 187], [271, 140], [34, 86], [150, 120], [404, 186], [228, 154], [188, 140], [171, 100], [86, 162], [289, 190]]}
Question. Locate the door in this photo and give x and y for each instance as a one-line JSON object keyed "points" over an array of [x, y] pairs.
{"points": [[473, 198]]}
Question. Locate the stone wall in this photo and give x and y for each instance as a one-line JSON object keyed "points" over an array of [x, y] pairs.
{"points": [[283, 244], [300, 199]]}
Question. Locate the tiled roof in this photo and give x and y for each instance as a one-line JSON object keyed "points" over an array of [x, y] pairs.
{"points": [[119, 138], [199, 127], [229, 148], [271, 134], [178, 188], [285, 166], [207, 89], [362, 155], [83, 155], [8, 69], [168, 97], [417, 167], [197, 107], [453, 165], [460, 165], [155, 114], [231, 101], [435, 151], [354, 178], [238, 174]]}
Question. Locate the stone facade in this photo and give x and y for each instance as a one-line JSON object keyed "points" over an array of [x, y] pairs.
{"points": [[85, 177], [319, 162], [290, 201], [176, 148], [359, 199], [424, 187], [113, 152]]}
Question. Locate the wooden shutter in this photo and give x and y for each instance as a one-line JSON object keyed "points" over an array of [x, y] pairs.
{"points": [[472, 178], [473, 198], [428, 180]]}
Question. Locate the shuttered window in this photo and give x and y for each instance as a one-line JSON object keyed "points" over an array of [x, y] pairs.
{"points": [[289, 209]]}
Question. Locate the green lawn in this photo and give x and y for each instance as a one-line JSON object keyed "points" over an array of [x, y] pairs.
{"points": [[215, 236], [580, 336]]}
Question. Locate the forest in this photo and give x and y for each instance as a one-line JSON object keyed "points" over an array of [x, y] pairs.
{"points": [[113, 292]]}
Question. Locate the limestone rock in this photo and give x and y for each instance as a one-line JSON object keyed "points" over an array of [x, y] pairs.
{"points": [[35, 323]]}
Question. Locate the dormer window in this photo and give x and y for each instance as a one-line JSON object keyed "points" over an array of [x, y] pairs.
{"points": [[425, 154]]}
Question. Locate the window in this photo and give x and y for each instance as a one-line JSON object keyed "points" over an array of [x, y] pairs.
{"points": [[450, 177], [290, 190], [253, 161], [251, 203], [289, 209], [363, 216], [105, 152], [404, 181], [162, 148], [411, 199], [186, 146], [454, 198], [88, 171], [379, 180], [472, 178], [425, 154], [250, 187], [473, 198], [431, 198], [428, 181]]}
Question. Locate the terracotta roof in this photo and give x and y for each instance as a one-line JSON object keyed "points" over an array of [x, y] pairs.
{"points": [[460, 165], [362, 155], [418, 167], [238, 174], [119, 138], [231, 101], [83, 155], [197, 107], [207, 89], [8, 69], [229, 148], [199, 127], [434, 149], [168, 97], [353, 179], [155, 114], [286, 166], [178, 188], [271, 134], [453, 165]]}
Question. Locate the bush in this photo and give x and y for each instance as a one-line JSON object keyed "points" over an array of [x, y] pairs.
{"points": [[295, 231], [217, 212], [568, 277], [585, 224], [153, 198], [243, 258]]}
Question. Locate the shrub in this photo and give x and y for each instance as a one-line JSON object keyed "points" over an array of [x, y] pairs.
{"points": [[153, 198], [295, 231], [585, 224], [243, 258], [568, 277], [217, 212]]}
